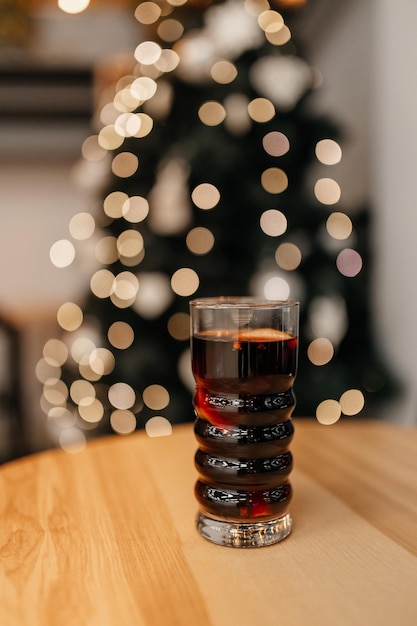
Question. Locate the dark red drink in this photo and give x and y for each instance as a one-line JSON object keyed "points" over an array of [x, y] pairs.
{"points": [[243, 403]]}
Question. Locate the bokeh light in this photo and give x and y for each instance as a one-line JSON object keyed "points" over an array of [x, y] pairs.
{"points": [[212, 113], [73, 6], [352, 402], [70, 316], [261, 110], [328, 151], [276, 143], [274, 180], [200, 240], [339, 225], [158, 426], [320, 351], [156, 397], [62, 253], [288, 256], [223, 72], [327, 191], [349, 262], [273, 222], [121, 335], [205, 196], [328, 412], [185, 281]]}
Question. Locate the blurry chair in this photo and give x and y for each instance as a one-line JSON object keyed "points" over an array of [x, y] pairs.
{"points": [[12, 433]]}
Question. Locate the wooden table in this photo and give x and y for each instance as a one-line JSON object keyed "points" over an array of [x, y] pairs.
{"points": [[106, 537]]}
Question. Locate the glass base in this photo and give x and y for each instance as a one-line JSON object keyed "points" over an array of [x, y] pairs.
{"points": [[244, 535]]}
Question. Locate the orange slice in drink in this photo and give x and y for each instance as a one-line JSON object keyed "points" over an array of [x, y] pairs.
{"points": [[262, 334]]}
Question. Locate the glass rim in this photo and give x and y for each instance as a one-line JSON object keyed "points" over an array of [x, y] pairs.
{"points": [[241, 302]]}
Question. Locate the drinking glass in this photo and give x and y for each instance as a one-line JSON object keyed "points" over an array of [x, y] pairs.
{"points": [[244, 360]]}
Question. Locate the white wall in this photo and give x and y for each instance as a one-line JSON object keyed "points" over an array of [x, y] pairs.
{"points": [[366, 51], [393, 186]]}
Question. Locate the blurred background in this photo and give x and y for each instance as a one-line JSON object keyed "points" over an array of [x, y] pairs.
{"points": [[60, 67]]}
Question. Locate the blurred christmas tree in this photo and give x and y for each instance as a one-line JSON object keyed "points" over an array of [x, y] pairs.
{"points": [[209, 142]]}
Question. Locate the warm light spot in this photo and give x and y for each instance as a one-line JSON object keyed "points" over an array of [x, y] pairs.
{"points": [[62, 253], [124, 164], [91, 149], [120, 335], [73, 6], [349, 262], [276, 143], [69, 316], [279, 37], [270, 21], [261, 110], [102, 283], [102, 361], [288, 256], [127, 124], [147, 12], [156, 397], [168, 61], [130, 243], [179, 326], [81, 347], [212, 113], [85, 370], [352, 402], [223, 72], [185, 281], [135, 209], [123, 422], [273, 222], [47, 372], [328, 152], [126, 286], [339, 225], [200, 240], [158, 426], [125, 101], [154, 295], [205, 196], [146, 125], [274, 180], [82, 226], [143, 88], [113, 204], [72, 440], [121, 396], [109, 139], [55, 352], [320, 351], [327, 191], [91, 413], [255, 7], [106, 250], [276, 288], [170, 30], [177, 3], [82, 392], [147, 52], [55, 392], [328, 412]]}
